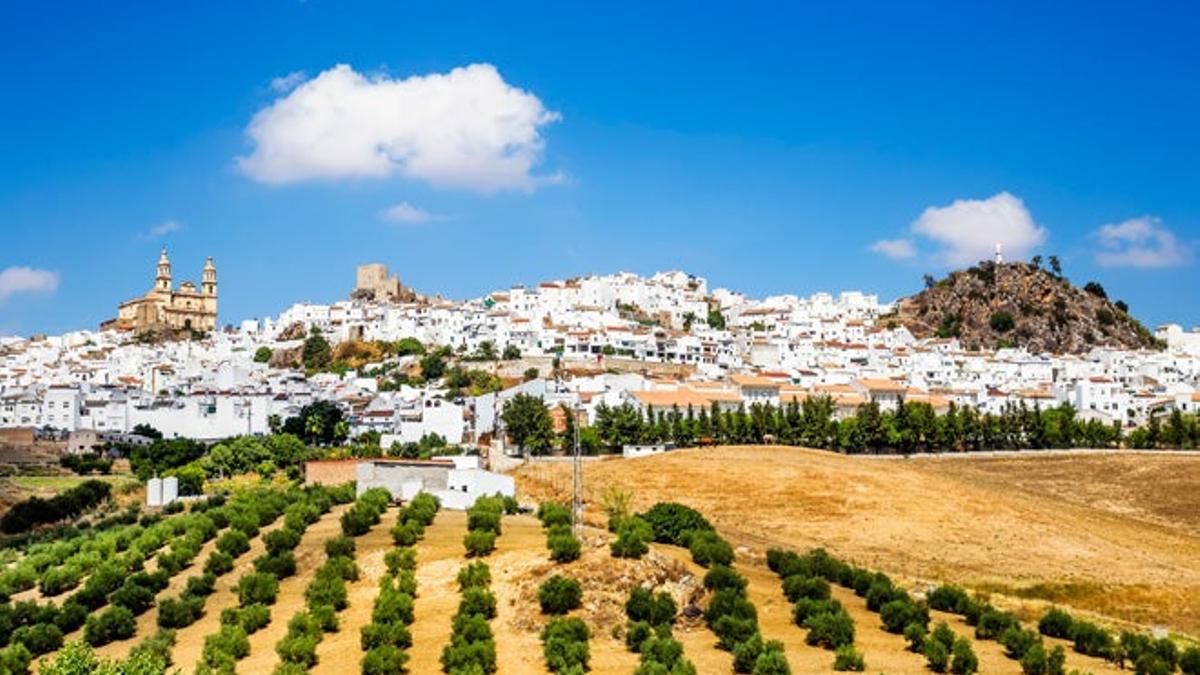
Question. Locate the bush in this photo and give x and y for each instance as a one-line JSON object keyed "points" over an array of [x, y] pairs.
{"points": [[476, 600], [632, 534], [914, 634], [564, 645], [327, 588], [708, 548], [233, 543], [407, 533], [181, 612], [114, 623], [282, 539], [299, 648], [992, 623], [722, 576], [829, 629], [846, 658], [132, 596], [1017, 641], [257, 588], [484, 520], [948, 599], [479, 543], [898, 614], [1056, 623], [398, 559], [559, 595], [218, 563], [669, 521], [38, 638], [655, 610], [563, 548], [200, 586], [251, 617], [340, 546], [936, 656], [1091, 639], [806, 607], [384, 660], [474, 574], [280, 565], [963, 660], [798, 586], [394, 634], [553, 513]]}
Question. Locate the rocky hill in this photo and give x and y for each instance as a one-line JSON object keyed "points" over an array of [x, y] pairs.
{"points": [[995, 305]]}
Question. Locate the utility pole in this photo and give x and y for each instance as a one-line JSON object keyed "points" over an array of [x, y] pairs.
{"points": [[577, 498]]}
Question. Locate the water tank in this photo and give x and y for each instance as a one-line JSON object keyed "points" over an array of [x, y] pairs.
{"points": [[154, 489], [170, 490]]}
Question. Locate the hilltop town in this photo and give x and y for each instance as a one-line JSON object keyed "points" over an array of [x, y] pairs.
{"points": [[662, 343]]}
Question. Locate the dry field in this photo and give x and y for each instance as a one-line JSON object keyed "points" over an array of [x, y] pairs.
{"points": [[1113, 534]]}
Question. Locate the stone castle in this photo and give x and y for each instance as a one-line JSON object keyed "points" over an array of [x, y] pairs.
{"points": [[168, 308]]}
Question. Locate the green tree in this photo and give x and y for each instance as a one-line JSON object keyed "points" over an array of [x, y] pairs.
{"points": [[716, 320], [409, 346], [527, 423], [433, 366], [262, 355], [511, 353], [316, 354]]}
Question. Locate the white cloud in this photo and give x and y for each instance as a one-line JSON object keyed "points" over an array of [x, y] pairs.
{"points": [[467, 129], [163, 229], [1140, 242], [15, 280], [407, 214], [896, 249], [969, 229], [286, 83]]}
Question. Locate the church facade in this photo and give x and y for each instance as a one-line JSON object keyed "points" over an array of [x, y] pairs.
{"points": [[170, 308]]}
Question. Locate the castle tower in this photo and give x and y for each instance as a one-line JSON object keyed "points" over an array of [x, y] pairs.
{"points": [[208, 278], [162, 282], [999, 255]]}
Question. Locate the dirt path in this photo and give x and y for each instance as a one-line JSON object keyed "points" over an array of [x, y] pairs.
{"points": [[517, 631], [341, 652], [439, 556], [147, 623], [310, 554], [190, 641]]}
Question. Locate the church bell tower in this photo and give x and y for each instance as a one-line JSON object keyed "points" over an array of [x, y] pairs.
{"points": [[162, 282], [208, 279]]}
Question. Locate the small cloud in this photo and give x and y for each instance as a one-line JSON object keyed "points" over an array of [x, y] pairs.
{"points": [[467, 128], [14, 280], [1142, 243], [896, 249], [968, 230], [163, 229], [408, 214], [286, 83]]}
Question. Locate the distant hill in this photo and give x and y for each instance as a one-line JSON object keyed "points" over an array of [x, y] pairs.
{"points": [[1011, 304]]}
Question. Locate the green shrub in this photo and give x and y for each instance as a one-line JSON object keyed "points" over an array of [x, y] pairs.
{"points": [[229, 642], [771, 662], [708, 548], [398, 559], [936, 656], [1091, 639], [257, 588], [636, 633], [553, 513], [253, 617], [476, 600], [746, 653], [479, 543], [564, 548], [474, 574], [564, 645], [654, 609], [963, 660], [340, 546], [393, 634], [181, 612], [282, 539], [847, 658], [233, 543], [200, 586], [326, 588], [1056, 623], [279, 565], [1017, 641], [384, 660], [632, 534], [1189, 661], [559, 595], [806, 607], [724, 577], [114, 623], [132, 596], [407, 533], [992, 623], [38, 638], [299, 648], [484, 520], [829, 629], [914, 634], [898, 614], [669, 521], [218, 563], [798, 586]]}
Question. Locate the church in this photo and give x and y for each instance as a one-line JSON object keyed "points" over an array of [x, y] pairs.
{"points": [[167, 308]]}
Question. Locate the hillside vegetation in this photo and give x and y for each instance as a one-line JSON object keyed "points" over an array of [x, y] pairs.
{"points": [[1020, 304]]}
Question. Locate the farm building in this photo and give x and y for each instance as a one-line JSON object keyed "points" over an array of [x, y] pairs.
{"points": [[456, 481]]}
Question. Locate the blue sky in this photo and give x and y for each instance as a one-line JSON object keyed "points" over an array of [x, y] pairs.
{"points": [[771, 148]]}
